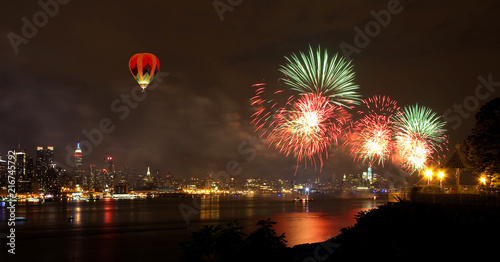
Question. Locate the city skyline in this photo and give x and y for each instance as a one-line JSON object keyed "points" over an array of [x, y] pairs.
{"points": [[45, 160], [41, 176]]}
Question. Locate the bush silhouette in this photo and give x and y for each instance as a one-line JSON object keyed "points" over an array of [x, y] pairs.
{"points": [[215, 243]]}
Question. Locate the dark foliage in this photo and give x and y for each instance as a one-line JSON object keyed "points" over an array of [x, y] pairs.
{"points": [[481, 150], [420, 231], [214, 243]]}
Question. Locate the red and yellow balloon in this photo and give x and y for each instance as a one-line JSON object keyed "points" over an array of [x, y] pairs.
{"points": [[144, 67]]}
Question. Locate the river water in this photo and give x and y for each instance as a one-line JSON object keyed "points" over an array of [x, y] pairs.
{"points": [[140, 229]]}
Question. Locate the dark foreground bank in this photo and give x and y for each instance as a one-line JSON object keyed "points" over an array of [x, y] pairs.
{"points": [[401, 230]]}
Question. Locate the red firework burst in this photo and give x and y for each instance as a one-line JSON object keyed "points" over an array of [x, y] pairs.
{"points": [[371, 137], [309, 128]]}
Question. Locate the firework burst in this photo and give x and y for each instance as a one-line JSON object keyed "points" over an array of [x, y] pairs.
{"points": [[419, 133], [317, 72], [308, 128], [371, 136]]}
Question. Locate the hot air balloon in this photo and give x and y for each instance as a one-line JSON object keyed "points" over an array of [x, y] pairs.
{"points": [[144, 67]]}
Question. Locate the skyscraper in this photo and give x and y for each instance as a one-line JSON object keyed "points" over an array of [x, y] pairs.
{"points": [[93, 183], [30, 168], [53, 185], [3, 172], [41, 167], [78, 176], [24, 171], [370, 178], [20, 165], [49, 155], [109, 165], [78, 157], [43, 162]]}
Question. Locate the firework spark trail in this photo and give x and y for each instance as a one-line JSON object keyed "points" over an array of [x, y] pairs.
{"points": [[378, 105], [268, 104], [419, 133], [371, 136]]}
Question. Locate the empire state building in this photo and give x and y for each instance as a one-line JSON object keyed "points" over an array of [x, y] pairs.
{"points": [[78, 157]]}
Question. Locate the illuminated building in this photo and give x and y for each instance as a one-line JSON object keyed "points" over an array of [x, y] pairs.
{"points": [[94, 178], [24, 171], [121, 188], [3, 172], [148, 180], [78, 173], [22, 183], [49, 154], [367, 176], [157, 179], [53, 186], [43, 162], [20, 159], [109, 165], [370, 177], [78, 157]]}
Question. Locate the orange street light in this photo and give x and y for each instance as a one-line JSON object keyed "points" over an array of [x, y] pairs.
{"points": [[428, 174], [441, 175]]}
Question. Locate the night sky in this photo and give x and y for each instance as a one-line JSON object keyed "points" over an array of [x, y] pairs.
{"points": [[64, 79]]}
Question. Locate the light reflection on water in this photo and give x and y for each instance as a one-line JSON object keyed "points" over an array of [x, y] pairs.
{"points": [[210, 207], [117, 229], [302, 222]]}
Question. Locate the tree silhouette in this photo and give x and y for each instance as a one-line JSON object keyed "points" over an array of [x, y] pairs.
{"points": [[214, 243], [481, 150], [202, 245]]}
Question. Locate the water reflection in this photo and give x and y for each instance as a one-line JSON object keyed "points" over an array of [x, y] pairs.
{"points": [[77, 218], [116, 229], [305, 206], [108, 211], [308, 226], [210, 207]]}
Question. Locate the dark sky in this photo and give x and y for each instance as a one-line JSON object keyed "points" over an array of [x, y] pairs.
{"points": [[64, 79]]}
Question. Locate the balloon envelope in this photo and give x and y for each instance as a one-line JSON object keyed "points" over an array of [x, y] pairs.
{"points": [[144, 67]]}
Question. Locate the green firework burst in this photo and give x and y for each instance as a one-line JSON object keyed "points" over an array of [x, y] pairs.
{"points": [[317, 72], [419, 133]]}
